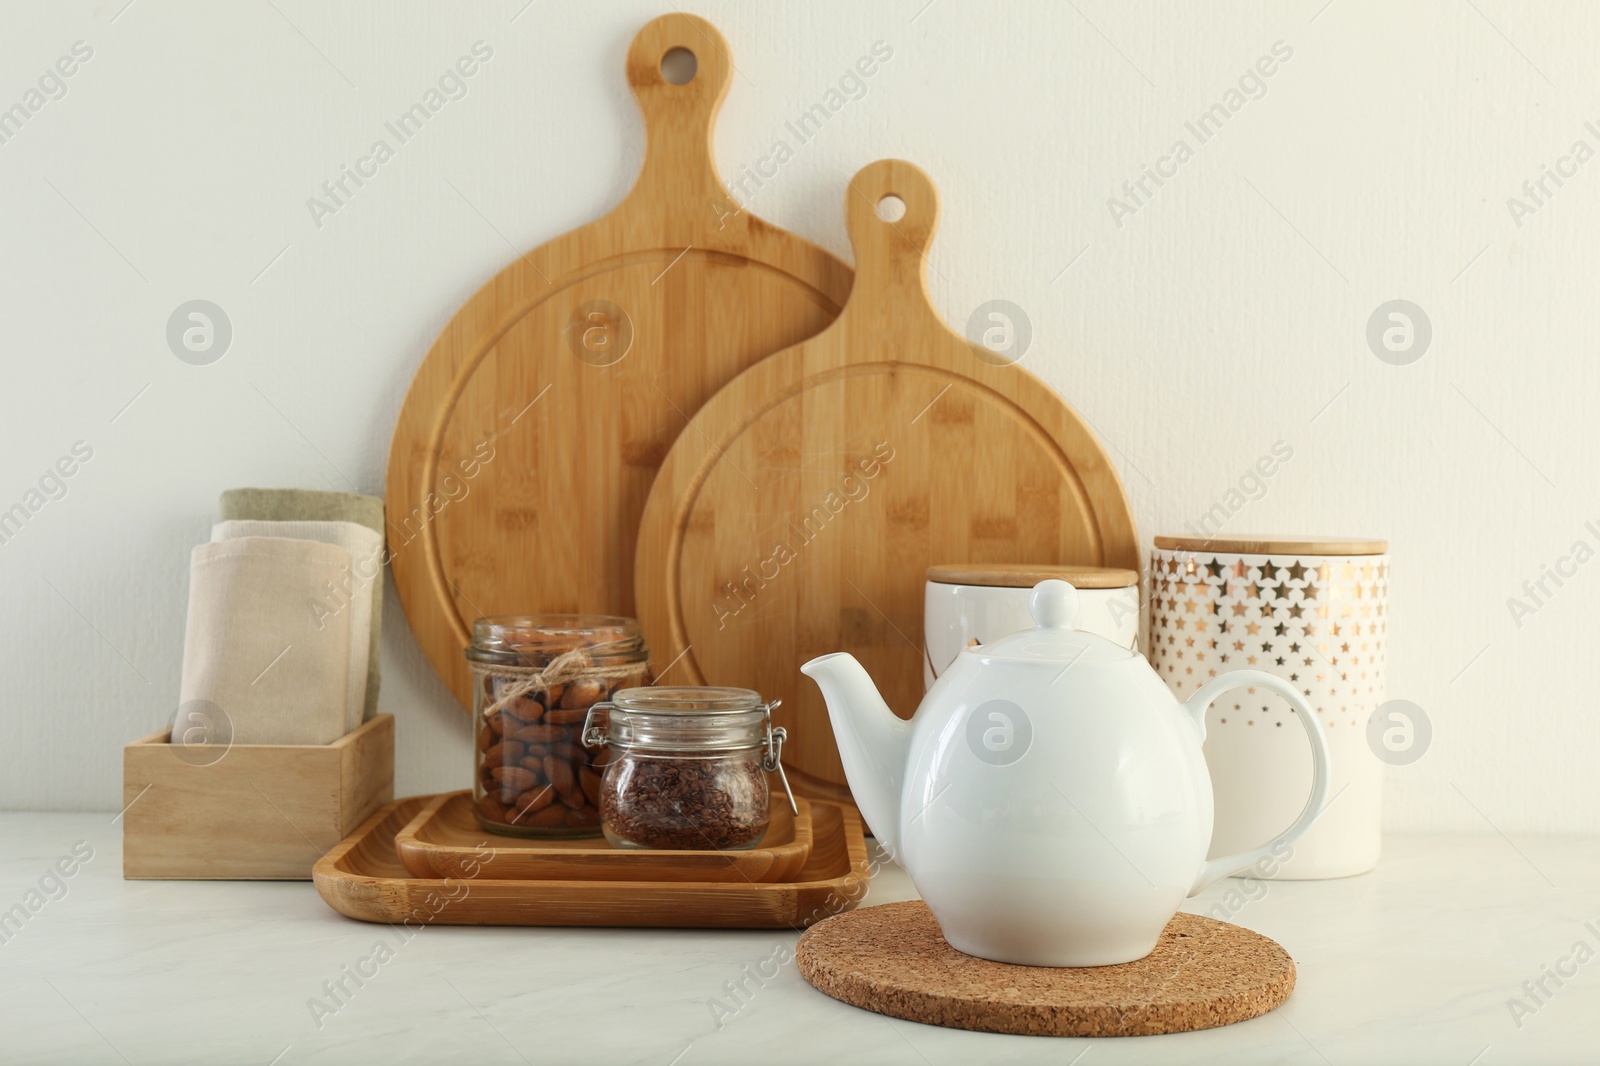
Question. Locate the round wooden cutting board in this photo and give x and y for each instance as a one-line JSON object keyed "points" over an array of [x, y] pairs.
{"points": [[801, 512], [533, 429]]}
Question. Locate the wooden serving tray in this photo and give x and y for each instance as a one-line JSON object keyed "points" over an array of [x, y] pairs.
{"points": [[445, 840], [363, 878]]}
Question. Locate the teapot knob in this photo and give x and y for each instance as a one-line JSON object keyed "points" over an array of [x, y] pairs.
{"points": [[1054, 604]]}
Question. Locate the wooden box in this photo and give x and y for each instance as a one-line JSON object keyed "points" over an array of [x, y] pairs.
{"points": [[262, 812]]}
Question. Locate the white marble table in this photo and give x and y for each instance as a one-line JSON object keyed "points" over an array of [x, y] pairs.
{"points": [[1414, 963]]}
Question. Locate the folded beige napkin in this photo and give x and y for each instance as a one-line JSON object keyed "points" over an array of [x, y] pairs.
{"points": [[310, 505], [352, 593], [258, 648]]}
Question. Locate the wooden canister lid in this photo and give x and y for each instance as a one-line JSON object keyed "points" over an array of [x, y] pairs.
{"points": [[1027, 575], [1251, 544]]}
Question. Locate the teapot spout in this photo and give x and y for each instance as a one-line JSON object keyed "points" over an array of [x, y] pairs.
{"points": [[873, 742]]}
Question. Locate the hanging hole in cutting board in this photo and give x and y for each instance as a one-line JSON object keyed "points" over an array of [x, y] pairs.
{"points": [[891, 208], [678, 66]]}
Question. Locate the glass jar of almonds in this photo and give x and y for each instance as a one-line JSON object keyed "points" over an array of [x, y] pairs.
{"points": [[535, 678]]}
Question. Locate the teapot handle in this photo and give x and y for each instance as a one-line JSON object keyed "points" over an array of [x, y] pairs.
{"points": [[1197, 706]]}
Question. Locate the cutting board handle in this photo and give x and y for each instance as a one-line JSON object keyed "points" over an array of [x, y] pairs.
{"points": [[678, 119], [891, 252]]}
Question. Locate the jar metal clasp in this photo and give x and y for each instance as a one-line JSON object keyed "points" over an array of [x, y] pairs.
{"points": [[772, 757], [594, 733]]}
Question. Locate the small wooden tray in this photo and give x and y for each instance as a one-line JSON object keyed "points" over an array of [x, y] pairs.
{"points": [[445, 840], [363, 878]]}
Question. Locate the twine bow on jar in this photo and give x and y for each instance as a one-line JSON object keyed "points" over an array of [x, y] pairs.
{"points": [[570, 666]]}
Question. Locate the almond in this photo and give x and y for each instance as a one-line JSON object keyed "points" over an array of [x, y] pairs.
{"points": [[506, 753], [535, 799], [591, 784], [525, 709], [582, 693], [517, 778], [567, 715], [559, 773], [492, 809], [553, 815], [538, 733]]}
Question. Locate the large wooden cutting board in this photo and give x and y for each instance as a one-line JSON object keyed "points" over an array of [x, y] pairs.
{"points": [[533, 429], [800, 513]]}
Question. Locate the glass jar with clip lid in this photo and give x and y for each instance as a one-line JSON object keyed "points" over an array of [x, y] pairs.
{"points": [[688, 767], [535, 679]]}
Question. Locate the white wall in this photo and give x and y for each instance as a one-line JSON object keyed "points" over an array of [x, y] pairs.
{"points": [[1226, 314]]}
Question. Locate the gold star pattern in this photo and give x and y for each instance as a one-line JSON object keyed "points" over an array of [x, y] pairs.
{"points": [[1216, 597]]}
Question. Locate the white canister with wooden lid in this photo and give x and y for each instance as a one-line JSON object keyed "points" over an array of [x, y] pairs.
{"points": [[982, 602], [1313, 611]]}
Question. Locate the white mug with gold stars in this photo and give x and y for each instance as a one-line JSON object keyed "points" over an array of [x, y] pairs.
{"points": [[1313, 611]]}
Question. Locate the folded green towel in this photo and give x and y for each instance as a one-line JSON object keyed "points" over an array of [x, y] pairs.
{"points": [[309, 505], [301, 505]]}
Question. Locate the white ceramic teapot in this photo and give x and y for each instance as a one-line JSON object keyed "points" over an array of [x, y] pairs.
{"points": [[1049, 798]]}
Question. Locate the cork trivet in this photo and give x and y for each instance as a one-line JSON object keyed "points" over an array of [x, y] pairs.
{"points": [[893, 960]]}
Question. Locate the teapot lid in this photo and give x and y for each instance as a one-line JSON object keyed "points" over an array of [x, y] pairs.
{"points": [[1054, 605]]}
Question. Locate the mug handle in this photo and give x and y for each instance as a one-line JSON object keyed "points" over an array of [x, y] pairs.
{"points": [[1197, 706]]}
